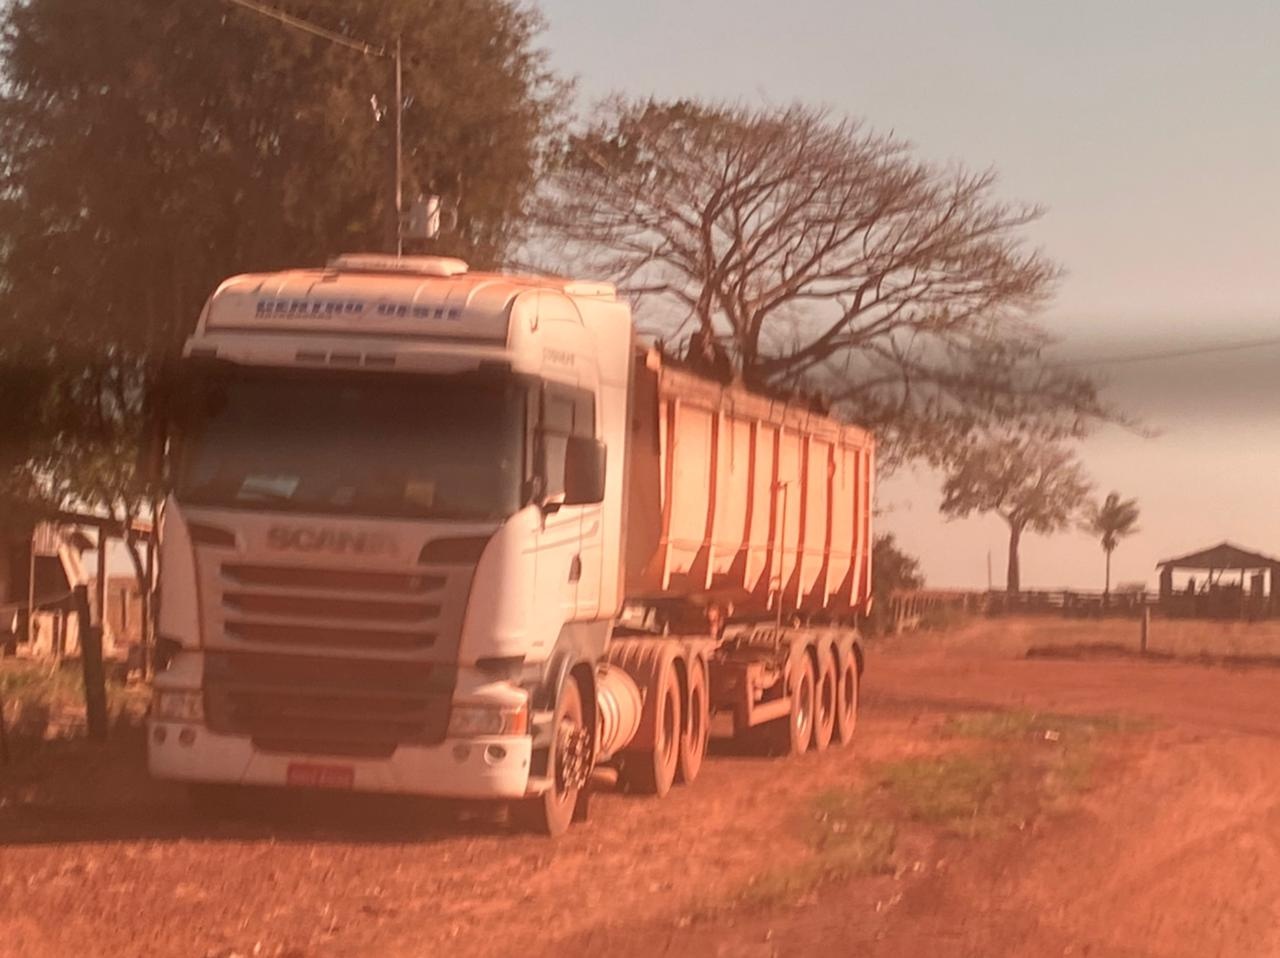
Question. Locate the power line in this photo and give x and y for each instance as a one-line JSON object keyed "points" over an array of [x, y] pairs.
{"points": [[307, 27], [1172, 353], [393, 53]]}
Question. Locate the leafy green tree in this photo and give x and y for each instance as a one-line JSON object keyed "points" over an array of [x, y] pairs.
{"points": [[1112, 520], [805, 250], [148, 149], [1034, 484]]}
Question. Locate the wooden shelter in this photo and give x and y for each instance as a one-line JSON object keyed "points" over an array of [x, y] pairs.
{"points": [[1224, 582]]}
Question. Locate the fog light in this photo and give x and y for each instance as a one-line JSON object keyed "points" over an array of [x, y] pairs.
{"points": [[462, 752], [187, 736], [160, 734], [494, 753]]}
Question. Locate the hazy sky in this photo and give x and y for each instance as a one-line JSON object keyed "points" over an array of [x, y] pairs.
{"points": [[1151, 130]]}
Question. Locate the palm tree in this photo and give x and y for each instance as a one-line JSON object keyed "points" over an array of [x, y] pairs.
{"points": [[1111, 521]]}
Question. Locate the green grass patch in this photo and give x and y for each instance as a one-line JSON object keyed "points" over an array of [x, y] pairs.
{"points": [[962, 794]]}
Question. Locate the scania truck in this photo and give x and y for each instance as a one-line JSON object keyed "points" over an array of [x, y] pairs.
{"points": [[451, 533]]}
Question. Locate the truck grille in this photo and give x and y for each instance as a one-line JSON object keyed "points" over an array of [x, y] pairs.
{"points": [[327, 706], [290, 607]]}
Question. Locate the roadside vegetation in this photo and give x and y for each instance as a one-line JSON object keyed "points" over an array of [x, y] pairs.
{"points": [[996, 773], [42, 700]]}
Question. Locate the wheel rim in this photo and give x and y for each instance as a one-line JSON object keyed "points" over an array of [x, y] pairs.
{"points": [[573, 755]]}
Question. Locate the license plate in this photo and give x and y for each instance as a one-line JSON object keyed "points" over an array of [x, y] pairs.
{"points": [[310, 775]]}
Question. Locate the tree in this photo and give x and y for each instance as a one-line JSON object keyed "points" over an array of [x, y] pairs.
{"points": [[1033, 483], [807, 250], [150, 149], [891, 570], [1111, 520]]}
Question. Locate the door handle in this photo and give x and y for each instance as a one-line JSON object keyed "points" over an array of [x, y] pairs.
{"points": [[575, 569]]}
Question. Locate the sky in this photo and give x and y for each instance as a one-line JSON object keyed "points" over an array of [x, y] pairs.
{"points": [[1150, 129]]}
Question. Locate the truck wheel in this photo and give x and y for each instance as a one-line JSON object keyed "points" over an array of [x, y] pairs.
{"points": [[794, 733], [847, 697], [653, 770], [824, 712], [693, 743], [568, 765]]}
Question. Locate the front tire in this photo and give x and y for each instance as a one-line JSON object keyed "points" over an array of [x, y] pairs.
{"points": [[568, 764]]}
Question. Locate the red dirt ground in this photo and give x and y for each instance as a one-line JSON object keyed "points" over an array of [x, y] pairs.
{"points": [[1174, 850]]}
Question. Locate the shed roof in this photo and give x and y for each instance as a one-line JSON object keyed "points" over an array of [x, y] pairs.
{"points": [[1222, 556]]}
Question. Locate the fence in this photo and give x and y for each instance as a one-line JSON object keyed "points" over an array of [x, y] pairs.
{"points": [[908, 609]]}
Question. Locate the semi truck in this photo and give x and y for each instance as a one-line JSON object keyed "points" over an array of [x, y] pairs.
{"points": [[443, 532]]}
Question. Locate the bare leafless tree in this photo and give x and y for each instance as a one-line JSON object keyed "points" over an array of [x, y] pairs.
{"points": [[806, 250]]}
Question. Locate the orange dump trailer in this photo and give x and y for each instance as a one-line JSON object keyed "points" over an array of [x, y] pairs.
{"points": [[743, 499], [748, 562]]}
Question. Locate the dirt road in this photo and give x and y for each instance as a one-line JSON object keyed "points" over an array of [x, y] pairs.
{"points": [[1172, 849]]}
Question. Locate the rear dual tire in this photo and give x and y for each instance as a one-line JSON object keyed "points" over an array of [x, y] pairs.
{"points": [[848, 690], [697, 726], [652, 770], [793, 734], [825, 699]]}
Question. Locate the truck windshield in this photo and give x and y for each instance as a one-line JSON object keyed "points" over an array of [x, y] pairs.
{"points": [[392, 445]]}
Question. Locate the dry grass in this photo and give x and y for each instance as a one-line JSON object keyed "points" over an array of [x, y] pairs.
{"points": [[43, 700]]}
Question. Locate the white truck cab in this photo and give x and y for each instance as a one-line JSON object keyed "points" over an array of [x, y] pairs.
{"points": [[395, 525]]}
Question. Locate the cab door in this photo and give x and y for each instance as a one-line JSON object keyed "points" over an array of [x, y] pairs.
{"points": [[559, 560]]}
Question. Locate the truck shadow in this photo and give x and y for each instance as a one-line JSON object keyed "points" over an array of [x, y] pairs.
{"points": [[74, 791]]}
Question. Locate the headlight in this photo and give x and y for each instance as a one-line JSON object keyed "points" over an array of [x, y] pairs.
{"points": [[467, 721], [178, 705]]}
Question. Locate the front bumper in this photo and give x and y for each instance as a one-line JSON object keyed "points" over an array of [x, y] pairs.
{"points": [[478, 768]]}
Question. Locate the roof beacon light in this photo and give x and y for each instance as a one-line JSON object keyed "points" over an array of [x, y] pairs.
{"points": [[442, 266]]}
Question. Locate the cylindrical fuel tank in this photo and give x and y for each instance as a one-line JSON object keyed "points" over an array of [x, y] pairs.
{"points": [[619, 706]]}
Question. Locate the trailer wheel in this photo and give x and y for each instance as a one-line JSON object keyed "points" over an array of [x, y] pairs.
{"points": [[847, 697], [551, 813], [652, 770], [693, 743], [794, 733], [825, 695]]}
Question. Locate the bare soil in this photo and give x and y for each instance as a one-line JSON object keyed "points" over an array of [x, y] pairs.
{"points": [[1165, 842]]}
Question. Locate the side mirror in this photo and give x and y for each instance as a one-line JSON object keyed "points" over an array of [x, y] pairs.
{"points": [[584, 470]]}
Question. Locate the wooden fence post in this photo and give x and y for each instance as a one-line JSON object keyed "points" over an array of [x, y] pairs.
{"points": [[95, 684], [1146, 629]]}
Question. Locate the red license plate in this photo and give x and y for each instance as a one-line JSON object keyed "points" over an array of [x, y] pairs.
{"points": [[309, 775]]}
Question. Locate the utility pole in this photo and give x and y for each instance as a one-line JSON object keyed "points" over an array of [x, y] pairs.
{"points": [[368, 49], [399, 149]]}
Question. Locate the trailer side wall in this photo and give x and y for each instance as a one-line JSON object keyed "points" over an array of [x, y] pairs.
{"points": [[742, 498]]}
